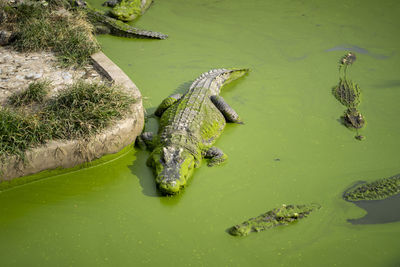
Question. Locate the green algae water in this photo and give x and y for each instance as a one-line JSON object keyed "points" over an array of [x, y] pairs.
{"points": [[292, 148]]}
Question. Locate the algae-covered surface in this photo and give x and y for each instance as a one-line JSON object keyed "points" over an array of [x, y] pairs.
{"points": [[291, 148]]}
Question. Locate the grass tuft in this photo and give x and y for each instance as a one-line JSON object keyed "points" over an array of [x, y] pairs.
{"points": [[84, 109], [19, 132], [36, 92], [66, 33]]}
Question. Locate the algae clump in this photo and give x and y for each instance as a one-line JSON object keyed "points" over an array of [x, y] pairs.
{"points": [[284, 215]]}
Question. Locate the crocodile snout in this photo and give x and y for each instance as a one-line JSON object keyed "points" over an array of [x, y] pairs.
{"points": [[169, 186]]}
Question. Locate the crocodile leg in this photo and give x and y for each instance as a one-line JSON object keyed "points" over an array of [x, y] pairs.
{"points": [[166, 103], [215, 155], [226, 110], [145, 140]]}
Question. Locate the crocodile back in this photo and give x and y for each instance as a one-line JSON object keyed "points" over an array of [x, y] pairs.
{"points": [[194, 122]]}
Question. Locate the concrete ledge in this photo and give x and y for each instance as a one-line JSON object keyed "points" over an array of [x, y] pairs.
{"points": [[69, 153]]}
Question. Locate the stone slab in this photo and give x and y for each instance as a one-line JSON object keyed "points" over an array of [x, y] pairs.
{"points": [[69, 153]]}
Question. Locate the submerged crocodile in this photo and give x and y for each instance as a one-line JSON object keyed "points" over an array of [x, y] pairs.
{"points": [[284, 215], [348, 93], [106, 24], [189, 126], [380, 199], [376, 190]]}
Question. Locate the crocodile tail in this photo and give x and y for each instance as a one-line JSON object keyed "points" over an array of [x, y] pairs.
{"points": [[120, 28], [216, 78], [138, 33]]}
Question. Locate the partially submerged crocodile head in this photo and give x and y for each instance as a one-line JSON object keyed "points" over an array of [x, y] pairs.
{"points": [[173, 166]]}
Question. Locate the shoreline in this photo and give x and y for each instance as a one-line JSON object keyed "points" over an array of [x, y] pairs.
{"points": [[71, 153]]}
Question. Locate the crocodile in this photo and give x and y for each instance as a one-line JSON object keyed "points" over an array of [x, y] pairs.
{"points": [[348, 94], [380, 199], [106, 24], [284, 215], [376, 190], [189, 125]]}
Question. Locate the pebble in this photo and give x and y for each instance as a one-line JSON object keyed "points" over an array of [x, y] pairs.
{"points": [[33, 76], [7, 58], [66, 76]]}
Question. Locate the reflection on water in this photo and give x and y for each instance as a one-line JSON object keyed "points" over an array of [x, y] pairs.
{"points": [[355, 48], [379, 211]]}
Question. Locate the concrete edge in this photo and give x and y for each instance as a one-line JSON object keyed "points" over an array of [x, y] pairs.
{"points": [[69, 153]]}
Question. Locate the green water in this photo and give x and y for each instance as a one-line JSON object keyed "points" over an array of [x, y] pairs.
{"points": [[112, 215]]}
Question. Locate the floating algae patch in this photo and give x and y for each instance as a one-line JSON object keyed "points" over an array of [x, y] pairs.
{"points": [[379, 189], [284, 215]]}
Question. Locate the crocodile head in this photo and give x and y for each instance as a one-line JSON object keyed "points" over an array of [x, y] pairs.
{"points": [[240, 229], [173, 166]]}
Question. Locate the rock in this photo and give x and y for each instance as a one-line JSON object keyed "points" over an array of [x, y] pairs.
{"points": [[6, 58], [18, 70], [66, 76], [33, 76], [19, 77], [37, 76], [5, 37]]}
